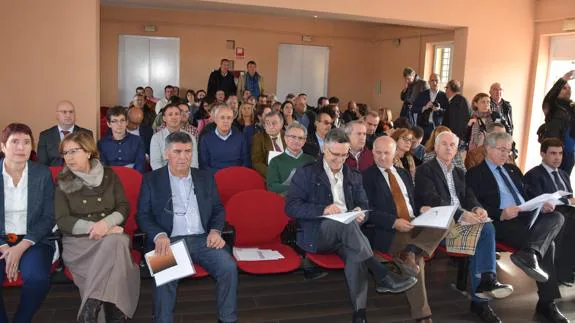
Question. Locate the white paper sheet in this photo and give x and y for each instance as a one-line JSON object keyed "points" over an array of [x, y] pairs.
{"points": [[273, 154], [256, 254], [538, 201], [437, 217], [346, 217], [183, 267], [288, 180]]}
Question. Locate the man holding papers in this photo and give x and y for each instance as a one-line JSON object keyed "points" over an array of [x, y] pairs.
{"points": [[439, 183], [328, 187], [499, 187], [549, 178], [269, 143], [390, 192], [182, 203]]}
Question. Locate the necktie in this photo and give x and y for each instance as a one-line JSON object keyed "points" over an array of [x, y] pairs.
{"points": [[275, 143], [558, 182], [65, 132], [509, 186], [398, 198]]}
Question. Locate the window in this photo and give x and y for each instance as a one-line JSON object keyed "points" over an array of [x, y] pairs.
{"points": [[442, 61]]}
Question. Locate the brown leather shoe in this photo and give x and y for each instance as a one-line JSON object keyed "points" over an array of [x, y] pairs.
{"points": [[406, 263]]}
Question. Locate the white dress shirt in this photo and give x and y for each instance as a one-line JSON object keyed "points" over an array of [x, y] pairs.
{"points": [[15, 202], [158, 146], [161, 104], [186, 212], [278, 142], [550, 171], [62, 134], [401, 187], [336, 182]]}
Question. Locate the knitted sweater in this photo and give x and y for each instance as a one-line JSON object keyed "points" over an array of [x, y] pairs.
{"points": [[216, 153], [280, 169]]}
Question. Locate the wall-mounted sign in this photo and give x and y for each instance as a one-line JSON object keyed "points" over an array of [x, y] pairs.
{"points": [[240, 53]]}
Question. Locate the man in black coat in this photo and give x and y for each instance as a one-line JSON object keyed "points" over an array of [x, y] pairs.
{"points": [[548, 178], [503, 107], [499, 187], [430, 105], [413, 86], [221, 79], [457, 115]]}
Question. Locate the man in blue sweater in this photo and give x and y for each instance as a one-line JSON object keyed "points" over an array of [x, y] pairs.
{"points": [[223, 147]]}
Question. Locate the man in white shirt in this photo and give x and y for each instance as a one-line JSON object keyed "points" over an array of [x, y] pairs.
{"points": [[168, 92]]}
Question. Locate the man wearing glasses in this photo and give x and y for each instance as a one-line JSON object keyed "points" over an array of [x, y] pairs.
{"points": [[499, 187], [328, 187], [323, 124], [121, 148], [268, 144]]}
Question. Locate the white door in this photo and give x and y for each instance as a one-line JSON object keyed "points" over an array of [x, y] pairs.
{"points": [[147, 61], [302, 69]]}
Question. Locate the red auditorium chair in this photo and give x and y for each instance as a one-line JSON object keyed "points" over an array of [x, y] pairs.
{"points": [[232, 180], [462, 267], [258, 217]]}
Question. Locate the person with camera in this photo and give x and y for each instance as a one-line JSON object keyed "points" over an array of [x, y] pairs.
{"points": [[481, 118], [430, 106]]}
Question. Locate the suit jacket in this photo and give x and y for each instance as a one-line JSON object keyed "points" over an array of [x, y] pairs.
{"points": [[383, 210], [425, 97], [310, 193], [40, 209], [538, 181], [483, 182], [146, 133], [261, 146], [155, 199], [431, 188], [311, 146], [49, 144], [457, 116]]}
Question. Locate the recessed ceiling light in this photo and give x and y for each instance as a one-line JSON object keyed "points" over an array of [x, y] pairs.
{"points": [[315, 16]]}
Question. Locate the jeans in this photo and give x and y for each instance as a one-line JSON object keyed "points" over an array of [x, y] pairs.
{"points": [[219, 264], [484, 259], [35, 266]]}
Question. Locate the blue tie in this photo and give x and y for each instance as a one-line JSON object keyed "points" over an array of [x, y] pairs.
{"points": [[509, 186]]}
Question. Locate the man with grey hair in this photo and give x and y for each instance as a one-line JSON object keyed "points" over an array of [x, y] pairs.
{"points": [[329, 187], [269, 143], [502, 106], [439, 183], [360, 157], [178, 203], [500, 188], [224, 146]]}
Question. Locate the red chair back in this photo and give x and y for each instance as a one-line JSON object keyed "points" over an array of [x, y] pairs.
{"points": [[232, 180], [131, 180], [55, 171], [258, 217]]}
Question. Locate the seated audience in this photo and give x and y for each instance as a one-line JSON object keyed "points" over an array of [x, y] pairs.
{"points": [[200, 95], [232, 102], [221, 79], [135, 127], [178, 202], [337, 122], [271, 140], [430, 105], [417, 149], [90, 207], [282, 167], [149, 92], [403, 158], [290, 97], [246, 122], [300, 111], [323, 124], [351, 113], [360, 157], [207, 117], [287, 112], [318, 189], [173, 120], [224, 146], [481, 118], [440, 182], [499, 187], [549, 178], [430, 148], [501, 106], [168, 93], [251, 81], [456, 116], [476, 155], [371, 120], [27, 218], [402, 122], [177, 91], [322, 102], [192, 105], [261, 111], [49, 141], [149, 113], [277, 106], [247, 94], [121, 148], [385, 121], [220, 97], [202, 112]]}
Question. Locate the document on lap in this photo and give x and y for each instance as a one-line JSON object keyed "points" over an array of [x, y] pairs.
{"points": [[346, 217], [256, 254], [175, 265], [273, 154], [438, 217], [538, 201]]}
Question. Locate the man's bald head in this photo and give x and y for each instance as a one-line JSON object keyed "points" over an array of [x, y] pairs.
{"points": [[384, 151], [65, 114], [135, 116]]}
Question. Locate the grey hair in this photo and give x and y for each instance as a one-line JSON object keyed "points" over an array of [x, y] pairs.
{"points": [[490, 127], [492, 138], [445, 133], [336, 136], [274, 114], [349, 126], [178, 137], [297, 125], [216, 110]]}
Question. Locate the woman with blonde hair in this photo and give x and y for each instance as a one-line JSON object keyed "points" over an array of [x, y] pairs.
{"points": [[90, 208], [247, 122], [403, 158], [430, 148], [385, 120]]}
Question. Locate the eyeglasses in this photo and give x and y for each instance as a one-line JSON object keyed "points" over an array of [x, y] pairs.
{"points": [[71, 152], [272, 123], [408, 139], [339, 156], [296, 137], [503, 150]]}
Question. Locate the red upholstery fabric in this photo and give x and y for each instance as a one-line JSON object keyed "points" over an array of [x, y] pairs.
{"points": [[329, 261], [131, 180], [200, 272], [236, 179], [383, 255], [504, 248], [258, 217], [18, 282]]}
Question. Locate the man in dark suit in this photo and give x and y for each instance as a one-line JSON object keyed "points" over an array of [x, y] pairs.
{"points": [[221, 79], [315, 139], [438, 183], [499, 187], [414, 85], [457, 115], [430, 106], [328, 187], [390, 192], [49, 141], [549, 178], [178, 202]]}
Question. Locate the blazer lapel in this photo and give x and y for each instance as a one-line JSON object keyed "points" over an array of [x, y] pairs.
{"points": [[33, 198], [384, 187], [439, 173]]}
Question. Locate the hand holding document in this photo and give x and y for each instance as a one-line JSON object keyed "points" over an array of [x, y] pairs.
{"points": [[437, 217], [538, 201], [346, 217], [175, 265]]}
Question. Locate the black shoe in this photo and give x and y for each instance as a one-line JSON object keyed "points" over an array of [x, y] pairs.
{"points": [[527, 261], [359, 316], [90, 310], [313, 273], [394, 283], [489, 287], [113, 313], [484, 311], [550, 312]]}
